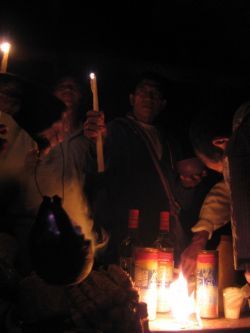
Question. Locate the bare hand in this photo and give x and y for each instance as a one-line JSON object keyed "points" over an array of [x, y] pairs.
{"points": [[191, 171], [189, 255], [95, 123], [247, 273], [54, 135], [193, 180]]}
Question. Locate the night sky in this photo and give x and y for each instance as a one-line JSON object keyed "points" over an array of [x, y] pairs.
{"points": [[201, 47]]}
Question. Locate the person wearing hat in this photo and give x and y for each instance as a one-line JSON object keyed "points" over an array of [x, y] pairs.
{"points": [[223, 147]]}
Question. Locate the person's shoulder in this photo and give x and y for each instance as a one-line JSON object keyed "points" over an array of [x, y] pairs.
{"points": [[120, 125], [240, 114]]}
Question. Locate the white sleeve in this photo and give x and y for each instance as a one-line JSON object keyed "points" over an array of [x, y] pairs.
{"points": [[215, 210]]}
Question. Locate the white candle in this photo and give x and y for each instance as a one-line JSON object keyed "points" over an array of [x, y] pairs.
{"points": [[93, 83], [5, 48], [99, 145]]}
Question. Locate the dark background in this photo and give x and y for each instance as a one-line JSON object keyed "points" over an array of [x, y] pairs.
{"points": [[201, 47]]}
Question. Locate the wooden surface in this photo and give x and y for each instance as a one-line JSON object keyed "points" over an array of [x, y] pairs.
{"points": [[207, 325]]}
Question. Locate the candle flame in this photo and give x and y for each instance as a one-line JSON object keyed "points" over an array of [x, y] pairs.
{"points": [[182, 305], [5, 47], [92, 76]]}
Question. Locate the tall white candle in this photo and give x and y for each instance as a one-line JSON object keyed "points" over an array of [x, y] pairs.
{"points": [[99, 145], [93, 84]]}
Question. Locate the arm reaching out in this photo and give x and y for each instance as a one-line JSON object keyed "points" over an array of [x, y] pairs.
{"points": [[189, 255]]}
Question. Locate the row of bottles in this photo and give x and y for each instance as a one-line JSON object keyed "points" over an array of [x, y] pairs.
{"points": [[149, 265], [130, 242], [143, 263], [162, 242]]}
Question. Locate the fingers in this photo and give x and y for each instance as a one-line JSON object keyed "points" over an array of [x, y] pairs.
{"points": [[190, 254], [188, 266], [95, 123], [247, 276], [188, 259], [55, 134], [191, 180]]}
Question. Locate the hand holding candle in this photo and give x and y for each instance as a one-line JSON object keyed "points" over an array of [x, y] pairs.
{"points": [[5, 48], [99, 145]]}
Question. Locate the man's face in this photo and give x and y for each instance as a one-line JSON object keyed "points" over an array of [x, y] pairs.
{"points": [[69, 93], [147, 101]]}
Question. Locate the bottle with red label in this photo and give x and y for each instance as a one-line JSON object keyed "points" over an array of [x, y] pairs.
{"points": [[130, 242], [165, 269]]}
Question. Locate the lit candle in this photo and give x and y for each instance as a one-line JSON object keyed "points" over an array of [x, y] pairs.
{"points": [[5, 48], [93, 84], [99, 145]]}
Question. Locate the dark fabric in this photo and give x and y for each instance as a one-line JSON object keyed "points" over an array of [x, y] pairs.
{"points": [[124, 188], [239, 172], [32, 106]]}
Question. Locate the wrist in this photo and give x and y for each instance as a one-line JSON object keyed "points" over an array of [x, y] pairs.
{"points": [[201, 238]]}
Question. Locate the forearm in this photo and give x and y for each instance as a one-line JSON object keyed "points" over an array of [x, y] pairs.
{"points": [[215, 211]]}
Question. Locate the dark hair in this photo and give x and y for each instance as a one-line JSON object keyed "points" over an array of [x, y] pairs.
{"points": [[212, 122], [67, 76], [159, 80]]}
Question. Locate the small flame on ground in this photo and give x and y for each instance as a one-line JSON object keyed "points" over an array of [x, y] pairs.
{"points": [[182, 305], [184, 313], [151, 298]]}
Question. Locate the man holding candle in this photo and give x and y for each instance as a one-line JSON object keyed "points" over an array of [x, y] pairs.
{"points": [[54, 169], [139, 169]]}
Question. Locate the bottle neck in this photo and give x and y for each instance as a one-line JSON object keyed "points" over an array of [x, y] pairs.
{"points": [[164, 232], [133, 219], [164, 222], [132, 231]]}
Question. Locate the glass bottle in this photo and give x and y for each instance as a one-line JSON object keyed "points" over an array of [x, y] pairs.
{"points": [[130, 242], [165, 270], [163, 241], [227, 273]]}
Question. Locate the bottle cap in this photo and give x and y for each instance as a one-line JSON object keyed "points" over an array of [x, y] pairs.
{"points": [[164, 220], [133, 218]]}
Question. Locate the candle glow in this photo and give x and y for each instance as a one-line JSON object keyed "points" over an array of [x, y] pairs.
{"points": [[183, 314], [99, 145], [5, 48], [93, 84]]}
